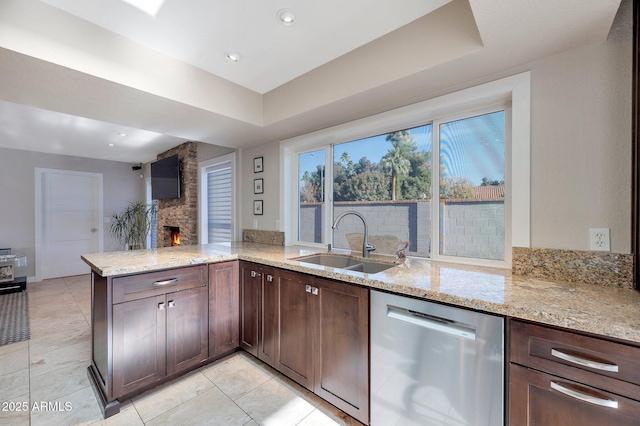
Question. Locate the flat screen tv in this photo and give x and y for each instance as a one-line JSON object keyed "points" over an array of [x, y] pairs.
{"points": [[165, 178]]}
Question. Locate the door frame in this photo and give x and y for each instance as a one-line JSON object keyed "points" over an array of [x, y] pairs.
{"points": [[39, 174]]}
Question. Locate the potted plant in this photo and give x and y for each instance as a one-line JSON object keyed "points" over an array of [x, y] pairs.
{"points": [[132, 225]]}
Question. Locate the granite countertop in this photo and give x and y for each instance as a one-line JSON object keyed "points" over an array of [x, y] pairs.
{"points": [[607, 311]]}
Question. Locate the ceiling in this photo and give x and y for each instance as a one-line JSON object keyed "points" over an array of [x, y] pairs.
{"points": [[199, 32], [77, 74]]}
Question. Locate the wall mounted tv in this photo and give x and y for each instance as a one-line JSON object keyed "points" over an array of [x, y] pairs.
{"points": [[165, 178]]}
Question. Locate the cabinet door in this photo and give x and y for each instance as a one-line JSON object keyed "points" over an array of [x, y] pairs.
{"points": [[268, 316], [224, 306], [541, 399], [187, 328], [341, 344], [249, 303], [139, 355], [294, 347]]}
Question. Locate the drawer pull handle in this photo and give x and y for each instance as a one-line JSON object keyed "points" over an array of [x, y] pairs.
{"points": [[584, 397], [165, 282], [270, 278], [172, 304], [584, 362], [254, 274], [307, 288], [161, 306]]}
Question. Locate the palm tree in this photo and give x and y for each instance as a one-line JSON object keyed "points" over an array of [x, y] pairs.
{"points": [[402, 140], [396, 162]]}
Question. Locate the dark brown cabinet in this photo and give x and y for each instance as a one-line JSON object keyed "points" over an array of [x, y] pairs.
{"points": [[341, 346], [257, 311], [146, 328], [187, 329], [224, 306], [139, 355], [249, 302], [323, 339], [158, 336], [150, 327], [268, 316], [559, 377], [295, 331], [538, 398]]}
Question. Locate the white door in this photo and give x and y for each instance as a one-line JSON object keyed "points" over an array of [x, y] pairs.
{"points": [[69, 222]]}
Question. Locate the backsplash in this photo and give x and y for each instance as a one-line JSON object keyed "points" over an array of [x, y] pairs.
{"points": [[275, 238], [599, 268]]}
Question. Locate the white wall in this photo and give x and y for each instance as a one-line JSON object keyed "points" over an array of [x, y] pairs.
{"points": [[271, 196], [17, 192], [207, 151], [580, 146]]}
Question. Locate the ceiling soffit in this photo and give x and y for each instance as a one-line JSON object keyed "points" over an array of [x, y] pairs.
{"points": [[52, 60], [47, 33]]}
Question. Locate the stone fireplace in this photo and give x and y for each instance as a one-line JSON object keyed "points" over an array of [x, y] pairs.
{"points": [[172, 236], [180, 214]]}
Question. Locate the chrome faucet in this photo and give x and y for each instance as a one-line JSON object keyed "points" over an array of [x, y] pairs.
{"points": [[366, 245]]}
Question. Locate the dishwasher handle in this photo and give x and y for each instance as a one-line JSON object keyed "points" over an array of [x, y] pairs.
{"points": [[432, 322]]}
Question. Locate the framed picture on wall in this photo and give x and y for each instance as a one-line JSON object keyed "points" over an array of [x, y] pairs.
{"points": [[257, 207], [258, 186], [257, 165]]}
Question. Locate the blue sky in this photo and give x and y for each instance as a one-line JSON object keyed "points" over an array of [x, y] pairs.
{"points": [[472, 147]]}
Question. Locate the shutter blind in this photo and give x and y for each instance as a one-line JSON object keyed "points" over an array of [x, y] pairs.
{"points": [[219, 205]]}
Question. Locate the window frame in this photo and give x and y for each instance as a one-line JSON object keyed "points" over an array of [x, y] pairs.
{"points": [[152, 243], [203, 166], [435, 186], [514, 91], [328, 196]]}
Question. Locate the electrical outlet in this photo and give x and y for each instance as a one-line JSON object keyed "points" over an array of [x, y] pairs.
{"points": [[599, 239], [255, 223]]}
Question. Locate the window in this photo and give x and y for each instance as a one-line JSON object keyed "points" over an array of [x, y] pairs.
{"points": [[387, 178], [442, 185], [152, 238], [217, 206], [311, 176], [471, 214]]}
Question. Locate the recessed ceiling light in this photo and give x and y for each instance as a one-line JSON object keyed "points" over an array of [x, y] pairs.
{"points": [[232, 56], [286, 16], [122, 134], [112, 144]]}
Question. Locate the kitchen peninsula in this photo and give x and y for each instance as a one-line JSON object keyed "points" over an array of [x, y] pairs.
{"points": [[607, 312]]}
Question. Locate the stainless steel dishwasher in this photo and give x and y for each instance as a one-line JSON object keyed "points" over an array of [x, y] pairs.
{"points": [[433, 364]]}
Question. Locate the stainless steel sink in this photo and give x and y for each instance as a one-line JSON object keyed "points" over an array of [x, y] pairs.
{"points": [[345, 262]]}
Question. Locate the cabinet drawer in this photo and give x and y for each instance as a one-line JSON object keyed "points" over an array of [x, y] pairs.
{"points": [[543, 399], [605, 364], [154, 283]]}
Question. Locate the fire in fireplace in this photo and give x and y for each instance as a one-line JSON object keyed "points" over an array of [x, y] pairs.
{"points": [[170, 236], [175, 237]]}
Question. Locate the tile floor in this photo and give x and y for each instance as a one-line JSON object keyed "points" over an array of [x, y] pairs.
{"points": [[43, 381]]}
